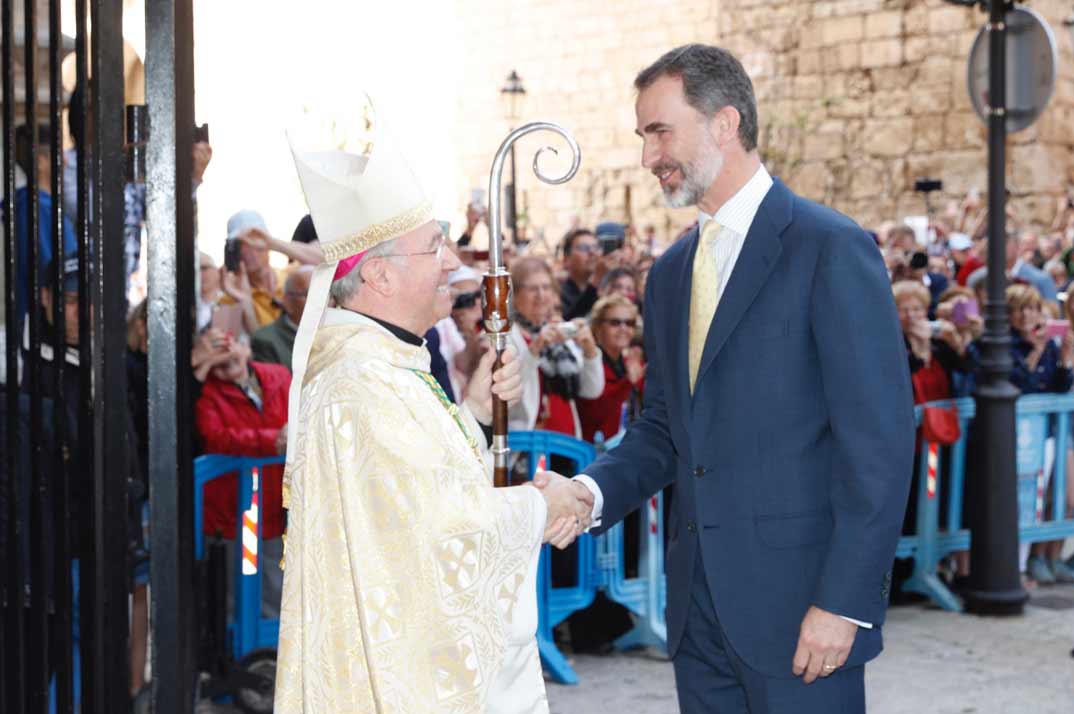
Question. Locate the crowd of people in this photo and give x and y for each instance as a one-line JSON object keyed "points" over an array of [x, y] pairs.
{"points": [[940, 288], [577, 324]]}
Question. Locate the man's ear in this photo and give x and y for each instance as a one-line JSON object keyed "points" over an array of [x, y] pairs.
{"points": [[724, 126], [376, 277]]}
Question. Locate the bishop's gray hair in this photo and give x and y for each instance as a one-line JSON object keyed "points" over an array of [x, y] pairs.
{"points": [[347, 287]]}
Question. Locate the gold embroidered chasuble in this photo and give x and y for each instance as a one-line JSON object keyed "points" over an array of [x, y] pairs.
{"points": [[409, 582]]}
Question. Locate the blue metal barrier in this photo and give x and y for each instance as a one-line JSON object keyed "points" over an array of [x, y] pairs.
{"points": [[600, 562], [1038, 416], [646, 595], [556, 604], [249, 631]]}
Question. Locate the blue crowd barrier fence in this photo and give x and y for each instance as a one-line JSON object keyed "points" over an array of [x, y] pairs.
{"points": [[1043, 424], [248, 630], [599, 564]]}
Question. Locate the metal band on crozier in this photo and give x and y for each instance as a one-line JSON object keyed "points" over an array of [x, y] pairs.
{"points": [[378, 233]]}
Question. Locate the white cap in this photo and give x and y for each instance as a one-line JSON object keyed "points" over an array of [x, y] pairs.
{"points": [[959, 241], [462, 274], [243, 221]]}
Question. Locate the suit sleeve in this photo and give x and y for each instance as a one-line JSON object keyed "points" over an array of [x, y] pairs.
{"points": [[867, 391], [644, 462]]}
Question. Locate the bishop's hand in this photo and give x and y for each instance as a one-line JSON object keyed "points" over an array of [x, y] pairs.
{"points": [[570, 507], [505, 383]]}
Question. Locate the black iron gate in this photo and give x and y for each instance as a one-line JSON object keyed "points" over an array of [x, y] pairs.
{"points": [[69, 479]]}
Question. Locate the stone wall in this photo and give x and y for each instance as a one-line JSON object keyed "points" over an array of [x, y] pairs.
{"points": [[857, 98]]}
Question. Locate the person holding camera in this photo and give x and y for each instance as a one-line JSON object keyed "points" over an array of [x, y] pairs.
{"points": [[249, 279], [960, 307], [560, 360], [1040, 364], [934, 348], [1042, 352]]}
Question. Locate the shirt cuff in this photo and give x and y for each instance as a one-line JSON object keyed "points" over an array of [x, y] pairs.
{"points": [[859, 623], [598, 498]]}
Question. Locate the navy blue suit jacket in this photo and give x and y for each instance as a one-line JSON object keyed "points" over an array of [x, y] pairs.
{"points": [[792, 459]]}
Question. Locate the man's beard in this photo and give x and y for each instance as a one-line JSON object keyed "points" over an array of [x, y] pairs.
{"points": [[698, 175]]}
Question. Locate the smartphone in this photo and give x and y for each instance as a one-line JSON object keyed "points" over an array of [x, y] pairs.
{"points": [[232, 255], [477, 198], [610, 244], [963, 311], [1057, 328], [201, 133], [934, 328], [228, 318], [481, 255], [928, 185]]}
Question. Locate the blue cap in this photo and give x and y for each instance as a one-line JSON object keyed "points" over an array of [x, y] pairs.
{"points": [[611, 229], [70, 274]]}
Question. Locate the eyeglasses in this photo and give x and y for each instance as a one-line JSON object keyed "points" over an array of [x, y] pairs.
{"points": [[438, 251], [616, 322], [465, 300], [584, 248]]}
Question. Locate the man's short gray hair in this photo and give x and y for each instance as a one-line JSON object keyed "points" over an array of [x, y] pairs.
{"points": [[347, 287], [712, 78], [289, 284]]}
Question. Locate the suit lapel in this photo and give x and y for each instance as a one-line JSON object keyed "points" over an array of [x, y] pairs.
{"points": [[760, 252]]}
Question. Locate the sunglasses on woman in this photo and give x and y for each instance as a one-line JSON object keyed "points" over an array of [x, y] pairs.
{"points": [[466, 300], [616, 322]]}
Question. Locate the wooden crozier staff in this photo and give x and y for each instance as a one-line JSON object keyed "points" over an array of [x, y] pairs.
{"points": [[496, 288]]}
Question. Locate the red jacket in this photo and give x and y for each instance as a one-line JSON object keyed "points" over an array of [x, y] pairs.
{"points": [[229, 423], [605, 413], [967, 269]]}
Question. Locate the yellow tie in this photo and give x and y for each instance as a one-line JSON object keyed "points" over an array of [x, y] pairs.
{"points": [[703, 296]]}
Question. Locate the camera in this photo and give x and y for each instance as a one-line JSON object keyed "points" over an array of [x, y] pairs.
{"points": [[569, 329]]}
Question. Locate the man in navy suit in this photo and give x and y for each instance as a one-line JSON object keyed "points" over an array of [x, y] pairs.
{"points": [[778, 401]]}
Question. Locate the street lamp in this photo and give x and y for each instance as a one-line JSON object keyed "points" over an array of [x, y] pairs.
{"points": [[995, 585], [513, 95]]}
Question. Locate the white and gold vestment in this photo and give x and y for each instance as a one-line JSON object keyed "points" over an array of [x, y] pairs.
{"points": [[409, 582]]}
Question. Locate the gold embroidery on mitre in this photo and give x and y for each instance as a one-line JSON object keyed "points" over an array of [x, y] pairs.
{"points": [[378, 233]]}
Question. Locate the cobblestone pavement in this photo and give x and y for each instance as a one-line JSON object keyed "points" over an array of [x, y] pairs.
{"points": [[935, 663]]}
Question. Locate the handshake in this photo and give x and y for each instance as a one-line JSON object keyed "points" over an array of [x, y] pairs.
{"points": [[570, 507]]}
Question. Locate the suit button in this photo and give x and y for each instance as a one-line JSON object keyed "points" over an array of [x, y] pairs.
{"points": [[691, 526], [699, 471]]}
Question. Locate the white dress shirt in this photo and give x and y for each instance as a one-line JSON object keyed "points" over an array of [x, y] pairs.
{"points": [[735, 218]]}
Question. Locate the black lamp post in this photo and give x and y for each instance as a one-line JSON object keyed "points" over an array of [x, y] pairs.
{"points": [[513, 95], [995, 586]]}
